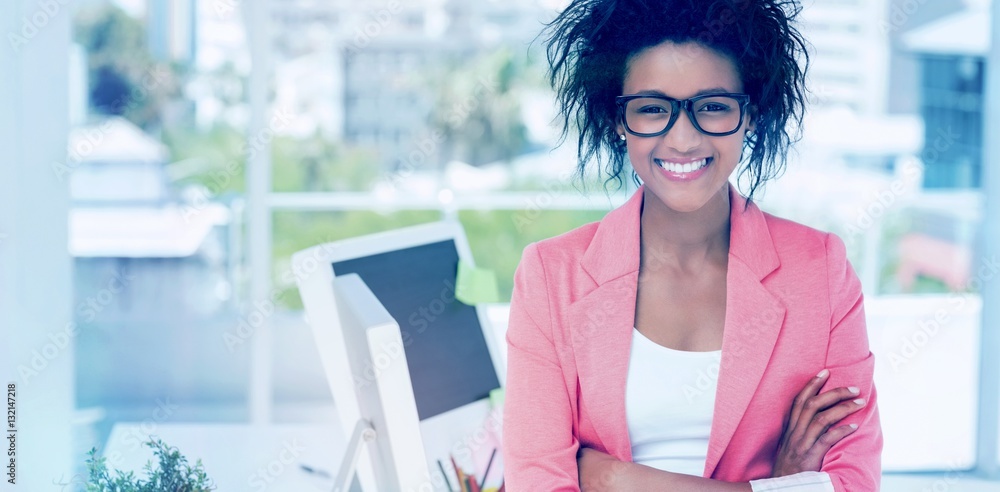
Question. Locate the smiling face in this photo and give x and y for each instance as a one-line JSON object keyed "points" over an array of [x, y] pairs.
{"points": [[684, 168]]}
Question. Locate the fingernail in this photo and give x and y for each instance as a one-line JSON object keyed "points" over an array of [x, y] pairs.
{"points": [[860, 401], [854, 390], [823, 373]]}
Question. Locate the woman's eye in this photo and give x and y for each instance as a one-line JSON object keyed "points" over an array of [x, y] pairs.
{"points": [[653, 110], [714, 107]]}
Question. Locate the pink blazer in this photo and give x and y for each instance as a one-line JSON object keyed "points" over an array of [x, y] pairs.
{"points": [[793, 307]]}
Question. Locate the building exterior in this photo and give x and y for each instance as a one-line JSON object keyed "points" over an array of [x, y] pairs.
{"points": [[850, 55], [951, 53], [390, 61]]}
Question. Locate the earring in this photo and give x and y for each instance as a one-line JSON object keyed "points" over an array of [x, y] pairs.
{"points": [[621, 136]]}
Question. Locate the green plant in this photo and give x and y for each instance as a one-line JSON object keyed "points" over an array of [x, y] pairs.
{"points": [[123, 77], [173, 474]]}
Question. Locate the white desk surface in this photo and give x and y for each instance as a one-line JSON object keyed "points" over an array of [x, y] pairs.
{"points": [[238, 456]]}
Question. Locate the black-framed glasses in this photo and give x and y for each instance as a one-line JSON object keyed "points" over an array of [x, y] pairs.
{"points": [[717, 115]]}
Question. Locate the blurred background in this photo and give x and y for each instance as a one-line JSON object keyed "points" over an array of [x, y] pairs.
{"points": [[165, 159]]}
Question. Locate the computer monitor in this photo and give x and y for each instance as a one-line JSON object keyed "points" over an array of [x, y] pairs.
{"points": [[385, 396], [451, 353]]}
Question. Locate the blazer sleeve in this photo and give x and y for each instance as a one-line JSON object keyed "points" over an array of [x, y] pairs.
{"points": [[539, 445], [854, 463]]}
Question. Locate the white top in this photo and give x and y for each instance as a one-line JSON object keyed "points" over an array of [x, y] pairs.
{"points": [[669, 403]]}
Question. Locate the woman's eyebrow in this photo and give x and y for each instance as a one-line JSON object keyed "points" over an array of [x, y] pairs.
{"points": [[713, 90], [656, 92]]}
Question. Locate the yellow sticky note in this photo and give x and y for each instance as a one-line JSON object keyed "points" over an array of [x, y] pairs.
{"points": [[475, 285]]}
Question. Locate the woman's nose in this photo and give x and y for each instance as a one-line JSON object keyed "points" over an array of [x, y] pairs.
{"points": [[683, 136]]}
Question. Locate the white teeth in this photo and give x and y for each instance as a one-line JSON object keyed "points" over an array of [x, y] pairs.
{"points": [[682, 168]]}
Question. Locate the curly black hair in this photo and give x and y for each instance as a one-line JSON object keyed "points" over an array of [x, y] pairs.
{"points": [[590, 43]]}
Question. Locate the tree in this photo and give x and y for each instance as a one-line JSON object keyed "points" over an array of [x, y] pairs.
{"points": [[478, 108], [123, 78]]}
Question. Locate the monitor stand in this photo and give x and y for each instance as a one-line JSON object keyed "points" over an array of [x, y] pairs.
{"points": [[363, 433]]}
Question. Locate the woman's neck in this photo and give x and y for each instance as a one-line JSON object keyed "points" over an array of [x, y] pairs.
{"points": [[685, 240]]}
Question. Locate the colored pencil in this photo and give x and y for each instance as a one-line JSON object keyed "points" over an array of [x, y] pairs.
{"points": [[445, 476], [461, 476], [488, 465]]}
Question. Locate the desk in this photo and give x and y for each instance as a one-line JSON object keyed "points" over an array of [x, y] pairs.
{"points": [[237, 456], [257, 458], [242, 457]]}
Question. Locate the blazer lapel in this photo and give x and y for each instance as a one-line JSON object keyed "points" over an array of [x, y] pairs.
{"points": [[754, 317], [602, 337], [601, 324]]}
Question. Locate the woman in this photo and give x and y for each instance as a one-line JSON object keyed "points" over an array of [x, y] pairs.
{"points": [[688, 341]]}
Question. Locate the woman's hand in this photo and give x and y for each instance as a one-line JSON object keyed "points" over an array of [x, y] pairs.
{"points": [[808, 434], [598, 471]]}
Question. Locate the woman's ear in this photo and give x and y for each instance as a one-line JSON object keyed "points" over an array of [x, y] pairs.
{"points": [[751, 117]]}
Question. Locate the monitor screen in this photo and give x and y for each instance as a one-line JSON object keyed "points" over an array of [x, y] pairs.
{"points": [[449, 362]]}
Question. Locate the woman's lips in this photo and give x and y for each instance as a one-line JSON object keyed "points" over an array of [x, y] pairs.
{"points": [[680, 172]]}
